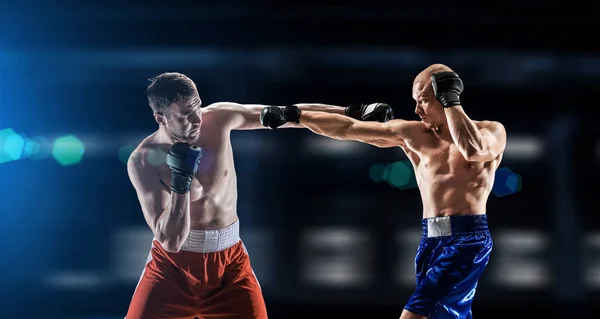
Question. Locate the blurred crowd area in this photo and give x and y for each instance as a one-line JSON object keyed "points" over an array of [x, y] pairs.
{"points": [[331, 226]]}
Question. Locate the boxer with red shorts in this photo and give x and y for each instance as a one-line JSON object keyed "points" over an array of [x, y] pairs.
{"points": [[185, 180], [210, 277]]}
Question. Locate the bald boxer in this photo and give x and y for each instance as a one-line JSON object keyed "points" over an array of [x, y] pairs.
{"points": [[185, 180], [454, 159]]}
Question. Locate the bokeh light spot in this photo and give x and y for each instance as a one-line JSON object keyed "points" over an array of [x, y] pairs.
{"points": [[11, 145], [68, 150], [376, 172], [125, 152], [506, 182]]}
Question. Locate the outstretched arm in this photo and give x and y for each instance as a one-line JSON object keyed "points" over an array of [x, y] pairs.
{"points": [[388, 134], [246, 116]]}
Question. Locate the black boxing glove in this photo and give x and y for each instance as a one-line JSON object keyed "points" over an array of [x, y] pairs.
{"points": [[376, 112], [447, 87], [183, 159], [275, 116]]}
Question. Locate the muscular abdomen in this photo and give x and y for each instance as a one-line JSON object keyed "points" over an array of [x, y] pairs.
{"points": [[456, 190], [213, 196]]}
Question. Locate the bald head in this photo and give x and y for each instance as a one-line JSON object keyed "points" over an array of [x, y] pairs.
{"points": [[425, 75], [428, 107]]}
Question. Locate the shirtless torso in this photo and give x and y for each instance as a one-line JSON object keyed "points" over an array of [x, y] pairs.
{"points": [[198, 265], [454, 159], [213, 195], [449, 185], [185, 180]]}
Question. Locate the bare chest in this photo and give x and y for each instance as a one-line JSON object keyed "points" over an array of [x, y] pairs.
{"points": [[444, 158], [215, 171]]}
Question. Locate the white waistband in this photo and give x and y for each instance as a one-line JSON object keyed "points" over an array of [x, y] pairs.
{"points": [[212, 240]]}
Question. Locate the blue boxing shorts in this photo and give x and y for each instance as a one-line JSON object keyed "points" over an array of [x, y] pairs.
{"points": [[452, 255]]}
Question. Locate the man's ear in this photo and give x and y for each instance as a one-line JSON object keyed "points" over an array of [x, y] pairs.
{"points": [[159, 118]]}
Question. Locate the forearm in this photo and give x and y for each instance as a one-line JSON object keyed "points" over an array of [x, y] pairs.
{"points": [[311, 108], [464, 131], [322, 108], [173, 225], [246, 116], [331, 125]]}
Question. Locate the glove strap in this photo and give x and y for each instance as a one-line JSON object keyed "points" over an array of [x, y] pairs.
{"points": [[354, 111], [449, 99], [292, 113], [180, 183]]}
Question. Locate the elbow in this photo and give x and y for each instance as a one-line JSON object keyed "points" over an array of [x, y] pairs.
{"points": [[478, 155], [470, 154], [171, 244], [472, 151], [344, 133], [171, 248]]}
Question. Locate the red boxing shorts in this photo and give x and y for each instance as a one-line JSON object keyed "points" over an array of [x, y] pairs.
{"points": [[209, 278]]}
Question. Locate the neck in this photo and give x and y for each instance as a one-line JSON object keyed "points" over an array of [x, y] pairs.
{"points": [[438, 128], [441, 130]]}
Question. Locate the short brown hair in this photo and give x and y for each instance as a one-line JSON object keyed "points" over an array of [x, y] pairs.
{"points": [[168, 88]]}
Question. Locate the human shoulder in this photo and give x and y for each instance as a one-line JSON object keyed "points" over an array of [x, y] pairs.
{"points": [[492, 126], [487, 123], [220, 113], [494, 134], [415, 125], [407, 133], [148, 155], [406, 126], [221, 107]]}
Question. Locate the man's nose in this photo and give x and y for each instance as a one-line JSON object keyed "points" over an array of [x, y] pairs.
{"points": [[196, 119]]}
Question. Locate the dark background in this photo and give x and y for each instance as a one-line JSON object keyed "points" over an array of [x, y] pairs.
{"points": [[74, 241]]}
